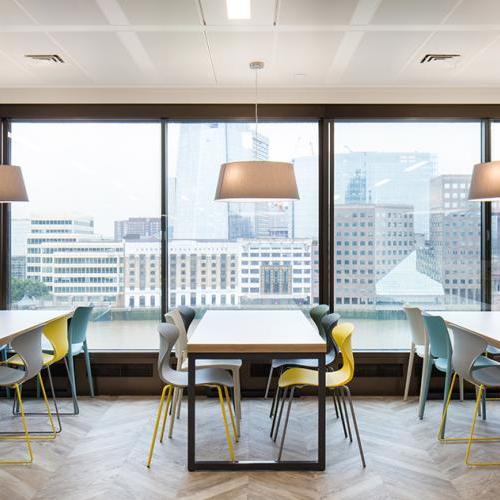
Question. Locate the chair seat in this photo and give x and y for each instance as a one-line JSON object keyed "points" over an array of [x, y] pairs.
{"points": [[10, 376], [204, 376], [225, 364], [303, 362], [495, 351], [489, 376], [442, 363], [304, 376], [75, 348], [17, 360], [420, 350]]}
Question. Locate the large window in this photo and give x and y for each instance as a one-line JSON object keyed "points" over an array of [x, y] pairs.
{"points": [[90, 233], [404, 230], [495, 226], [227, 255]]}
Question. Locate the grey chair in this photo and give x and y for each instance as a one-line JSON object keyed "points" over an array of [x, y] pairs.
{"points": [[3, 357], [188, 314], [211, 377], [233, 365], [468, 362], [29, 347]]}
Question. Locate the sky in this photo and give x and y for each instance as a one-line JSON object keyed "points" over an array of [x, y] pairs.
{"points": [[112, 171]]}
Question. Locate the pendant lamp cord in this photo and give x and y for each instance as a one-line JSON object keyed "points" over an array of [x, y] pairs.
{"points": [[256, 114]]}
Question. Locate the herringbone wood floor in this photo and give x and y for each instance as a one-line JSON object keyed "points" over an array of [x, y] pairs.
{"points": [[101, 455]]}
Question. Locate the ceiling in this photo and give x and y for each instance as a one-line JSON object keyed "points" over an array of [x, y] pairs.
{"points": [[311, 48]]}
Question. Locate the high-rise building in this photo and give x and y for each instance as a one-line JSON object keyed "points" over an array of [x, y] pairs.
{"points": [[452, 254], [370, 240], [388, 174], [19, 247], [137, 228], [356, 188]]}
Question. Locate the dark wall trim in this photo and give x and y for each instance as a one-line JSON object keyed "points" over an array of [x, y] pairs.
{"points": [[164, 218], [486, 294], [247, 111], [4, 222]]}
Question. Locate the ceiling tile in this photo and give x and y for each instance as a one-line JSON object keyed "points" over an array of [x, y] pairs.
{"points": [[316, 12], [467, 44], [13, 74], [17, 45], [380, 57], [12, 14], [215, 14], [165, 12], [70, 12], [412, 11], [103, 56], [476, 12], [180, 58]]}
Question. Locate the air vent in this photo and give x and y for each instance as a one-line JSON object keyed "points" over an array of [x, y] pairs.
{"points": [[438, 57], [45, 58]]}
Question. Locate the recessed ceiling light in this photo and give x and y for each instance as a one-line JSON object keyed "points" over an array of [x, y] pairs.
{"points": [[238, 9]]}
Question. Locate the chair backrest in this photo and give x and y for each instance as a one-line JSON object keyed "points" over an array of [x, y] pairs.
{"points": [[342, 335], [317, 313], [328, 323], [467, 347], [56, 333], [174, 317], [77, 331], [439, 338], [187, 314], [168, 337], [417, 327], [29, 348]]}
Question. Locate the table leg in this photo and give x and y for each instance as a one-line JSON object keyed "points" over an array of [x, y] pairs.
{"points": [[322, 413], [191, 412]]}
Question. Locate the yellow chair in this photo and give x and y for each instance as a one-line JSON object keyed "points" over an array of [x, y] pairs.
{"points": [[338, 379], [56, 332]]}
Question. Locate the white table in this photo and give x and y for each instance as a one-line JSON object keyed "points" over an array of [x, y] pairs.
{"points": [[485, 324], [261, 335], [15, 323]]}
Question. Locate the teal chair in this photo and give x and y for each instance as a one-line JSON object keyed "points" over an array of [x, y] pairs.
{"points": [[77, 338], [441, 352], [440, 356]]}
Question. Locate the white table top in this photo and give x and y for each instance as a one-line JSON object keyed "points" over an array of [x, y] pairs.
{"points": [[486, 324], [14, 323], [255, 331]]}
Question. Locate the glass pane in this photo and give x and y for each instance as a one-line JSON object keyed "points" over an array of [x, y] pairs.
{"points": [[227, 255], [404, 229], [90, 233], [495, 227]]}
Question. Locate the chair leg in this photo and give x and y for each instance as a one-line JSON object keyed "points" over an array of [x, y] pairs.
{"points": [[173, 411], [483, 404], [27, 437], [157, 423], [290, 399], [226, 426], [445, 410], [179, 403], [360, 447], [168, 410], [409, 371], [425, 387], [70, 368], [461, 388], [337, 398], [47, 407], [348, 425], [285, 392], [473, 427], [269, 381], [237, 397], [335, 404], [275, 414], [236, 431], [88, 367], [274, 406]]}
